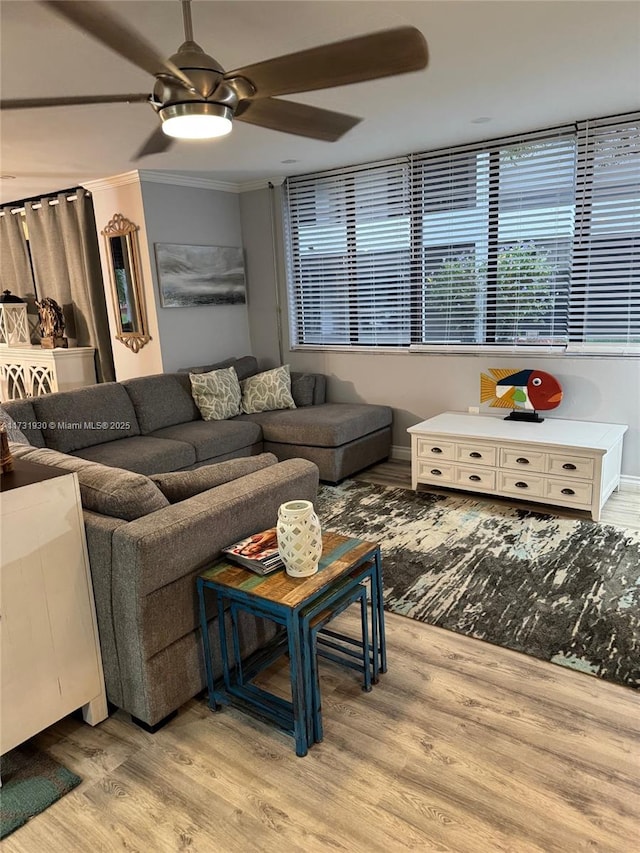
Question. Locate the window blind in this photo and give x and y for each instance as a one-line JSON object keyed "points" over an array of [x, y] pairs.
{"points": [[526, 241], [496, 226], [605, 277], [349, 255]]}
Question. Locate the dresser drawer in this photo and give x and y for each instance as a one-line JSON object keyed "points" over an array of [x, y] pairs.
{"points": [[432, 448], [572, 491], [570, 466], [522, 460], [478, 477], [521, 484], [480, 454], [435, 472]]}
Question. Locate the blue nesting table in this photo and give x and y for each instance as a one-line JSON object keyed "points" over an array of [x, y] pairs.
{"points": [[303, 607]]}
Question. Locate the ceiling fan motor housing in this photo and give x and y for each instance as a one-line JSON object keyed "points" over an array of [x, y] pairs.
{"points": [[202, 70]]}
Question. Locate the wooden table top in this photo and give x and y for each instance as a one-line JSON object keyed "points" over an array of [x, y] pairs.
{"points": [[339, 554]]}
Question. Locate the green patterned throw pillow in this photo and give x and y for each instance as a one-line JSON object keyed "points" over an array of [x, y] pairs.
{"points": [[267, 391], [217, 394]]}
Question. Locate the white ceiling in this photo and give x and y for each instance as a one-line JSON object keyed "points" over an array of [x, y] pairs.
{"points": [[526, 65]]}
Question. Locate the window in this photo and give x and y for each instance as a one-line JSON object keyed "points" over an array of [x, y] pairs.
{"points": [[605, 278], [527, 241]]}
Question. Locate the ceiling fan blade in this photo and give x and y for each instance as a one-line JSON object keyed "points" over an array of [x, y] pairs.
{"points": [[97, 20], [299, 119], [351, 61], [32, 103], [155, 144]]}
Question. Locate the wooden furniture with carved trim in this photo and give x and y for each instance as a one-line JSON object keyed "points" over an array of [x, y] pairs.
{"points": [[565, 463], [31, 371], [49, 646]]}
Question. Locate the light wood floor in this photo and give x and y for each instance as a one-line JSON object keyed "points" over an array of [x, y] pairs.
{"points": [[463, 746]]}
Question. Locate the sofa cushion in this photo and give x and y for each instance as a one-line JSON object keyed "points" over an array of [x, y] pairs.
{"points": [[217, 394], [108, 491], [22, 414], [180, 485], [302, 387], [267, 391], [12, 428], [213, 438], [328, 425], [142, 453], [245, 366], [86, 417], [162, 400]]}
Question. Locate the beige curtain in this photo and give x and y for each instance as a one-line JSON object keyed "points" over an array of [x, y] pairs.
{"points": [[66, 262], [15, 267]]}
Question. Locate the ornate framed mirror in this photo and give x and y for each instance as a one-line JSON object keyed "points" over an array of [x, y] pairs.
{"points": [[121, 239]]}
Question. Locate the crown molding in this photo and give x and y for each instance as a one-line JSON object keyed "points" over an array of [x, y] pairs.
{"points": [[109, 183], [179, 179], [260, 184], [182, 179]]}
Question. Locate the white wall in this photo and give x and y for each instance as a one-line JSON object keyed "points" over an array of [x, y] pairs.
{"points": [[198, 217], [418, 386]]}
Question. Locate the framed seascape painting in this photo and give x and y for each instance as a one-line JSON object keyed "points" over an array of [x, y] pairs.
{"points": [[199, 275]]}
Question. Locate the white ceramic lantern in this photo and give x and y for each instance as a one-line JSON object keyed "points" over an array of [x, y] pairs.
{"points": [[299, 538], [14, 328]]}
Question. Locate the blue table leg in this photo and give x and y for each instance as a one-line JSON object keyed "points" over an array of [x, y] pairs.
{"points": [[222, 633], [379, 583], [299, 675], [206, 645]]}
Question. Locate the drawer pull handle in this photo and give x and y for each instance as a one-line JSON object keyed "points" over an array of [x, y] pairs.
{"points": [[522, 485], [436, 472], [522, 461], [475, 478], [569, 466], [568, 492], [436, 450], [475, 455]]}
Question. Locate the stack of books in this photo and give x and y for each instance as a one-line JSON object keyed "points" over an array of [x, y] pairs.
{"points": [[258, 552]]}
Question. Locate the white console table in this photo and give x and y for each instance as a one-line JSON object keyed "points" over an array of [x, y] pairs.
{"points": [[30, 371], [49, 646], [566, 463]]}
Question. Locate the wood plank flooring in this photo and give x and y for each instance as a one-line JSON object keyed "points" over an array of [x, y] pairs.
{"points": [[463, 747]]}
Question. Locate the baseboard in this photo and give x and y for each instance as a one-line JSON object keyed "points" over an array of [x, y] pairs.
{"points": [[628, 483], [400, 454]]}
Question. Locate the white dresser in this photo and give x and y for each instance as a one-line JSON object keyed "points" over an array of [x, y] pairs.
{"points": [[49, 648], [567, 463], [29, 371]]}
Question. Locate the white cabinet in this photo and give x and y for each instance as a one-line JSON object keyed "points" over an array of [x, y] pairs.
{"points": [[49, 648], [566, 463], [30, 371]]}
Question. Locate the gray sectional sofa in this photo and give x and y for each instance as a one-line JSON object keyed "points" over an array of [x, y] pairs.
{"points": [[152, 424], [132, 444]]}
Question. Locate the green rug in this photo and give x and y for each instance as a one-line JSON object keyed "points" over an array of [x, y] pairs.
{"points": [[31, 782]]}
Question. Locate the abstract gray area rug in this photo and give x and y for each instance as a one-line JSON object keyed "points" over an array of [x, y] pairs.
{"points": [[560, 589], [31, 782]]}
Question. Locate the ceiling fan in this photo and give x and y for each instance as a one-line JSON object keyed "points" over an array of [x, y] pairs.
{"points": [[196, 98]]}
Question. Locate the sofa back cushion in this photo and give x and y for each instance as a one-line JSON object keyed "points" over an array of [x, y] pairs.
{"points": [[162, 401], [21, 423], [73, 420], [180, 485], [108, 491], [245, 366], [22, 416]]}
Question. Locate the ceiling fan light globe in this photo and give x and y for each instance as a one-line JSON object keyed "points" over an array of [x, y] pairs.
{"points": [[196, 120]]}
